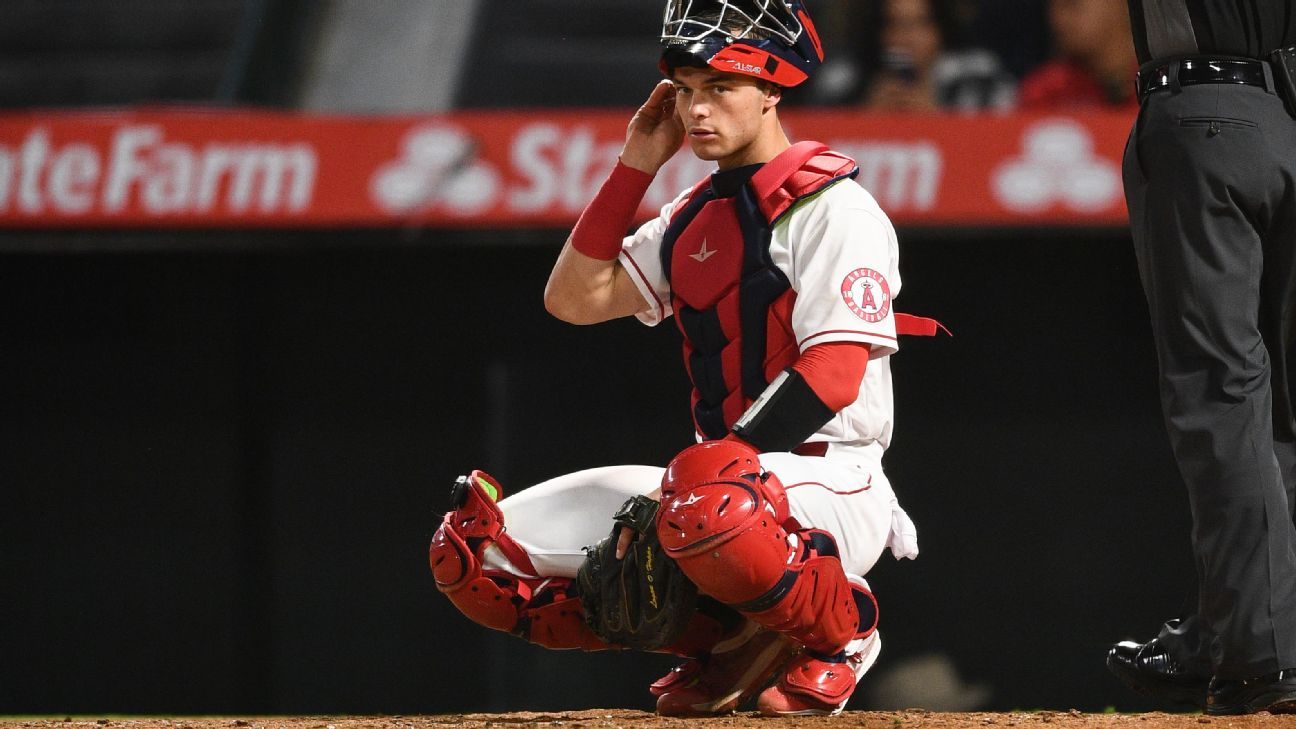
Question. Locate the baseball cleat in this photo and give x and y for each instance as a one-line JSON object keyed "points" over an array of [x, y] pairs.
{"points": [[722, 680], [815, 686]]}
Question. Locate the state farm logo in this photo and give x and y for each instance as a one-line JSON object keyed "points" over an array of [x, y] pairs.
{"points": [[1057, 165], [139, 169], [544, 170], [867, 294], [438, 168]]}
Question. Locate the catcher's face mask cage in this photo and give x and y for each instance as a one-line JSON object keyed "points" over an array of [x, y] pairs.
{"points": [[773, 40]]}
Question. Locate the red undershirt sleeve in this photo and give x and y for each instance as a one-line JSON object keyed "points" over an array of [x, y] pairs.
{"points": [[834, 370]]}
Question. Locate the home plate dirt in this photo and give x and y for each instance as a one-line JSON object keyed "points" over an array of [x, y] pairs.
{"points": [[911, 719]]}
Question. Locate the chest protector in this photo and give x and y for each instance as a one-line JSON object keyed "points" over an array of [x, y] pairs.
{"points": [[732, 304]]}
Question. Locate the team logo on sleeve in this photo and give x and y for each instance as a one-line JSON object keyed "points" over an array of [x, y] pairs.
{"points": [[867, 294]]}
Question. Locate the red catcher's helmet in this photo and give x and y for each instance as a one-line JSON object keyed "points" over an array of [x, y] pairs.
{"points": [[773, 40]]}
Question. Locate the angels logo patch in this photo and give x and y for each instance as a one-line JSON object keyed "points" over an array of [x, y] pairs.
{"points": [[867, 294]]}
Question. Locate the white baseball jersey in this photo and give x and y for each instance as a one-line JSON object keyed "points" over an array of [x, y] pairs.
{"points": [[838, 250]]}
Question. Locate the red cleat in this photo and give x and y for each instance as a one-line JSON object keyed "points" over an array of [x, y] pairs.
{"points": [[722, 680], [815, 687]]}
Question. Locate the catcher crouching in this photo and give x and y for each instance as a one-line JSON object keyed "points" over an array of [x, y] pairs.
{"points": [[746, 555]]}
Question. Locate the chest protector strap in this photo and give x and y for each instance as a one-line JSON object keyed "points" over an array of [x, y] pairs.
{"points": [[732, 304]]}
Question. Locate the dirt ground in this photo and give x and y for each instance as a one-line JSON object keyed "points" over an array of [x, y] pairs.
{"points": [[911, 719]]}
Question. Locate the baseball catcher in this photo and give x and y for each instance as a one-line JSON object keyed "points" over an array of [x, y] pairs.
{"points": [[746, 555]]}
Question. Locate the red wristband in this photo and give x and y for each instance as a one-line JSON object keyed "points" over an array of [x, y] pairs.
{"points": [[606, 219]]}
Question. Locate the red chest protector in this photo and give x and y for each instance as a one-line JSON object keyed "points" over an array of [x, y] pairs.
{"points": [[732, 304]]}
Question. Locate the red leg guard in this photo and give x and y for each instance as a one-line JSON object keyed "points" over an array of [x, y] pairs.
{"points": [[538, 609], [814, 602], [724, 521]]}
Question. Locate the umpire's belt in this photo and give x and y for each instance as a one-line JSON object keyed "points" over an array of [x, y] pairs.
{"points": [[1203, 70]]}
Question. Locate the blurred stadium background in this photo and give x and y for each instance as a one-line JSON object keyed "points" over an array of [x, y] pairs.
{"points": [[270, 277]]}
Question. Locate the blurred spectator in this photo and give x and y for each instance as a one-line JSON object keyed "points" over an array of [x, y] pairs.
{"points": [[925, 65], [1094, 64]]}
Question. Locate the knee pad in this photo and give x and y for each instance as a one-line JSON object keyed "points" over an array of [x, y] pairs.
{"points": [[725, 521], [540, 610]]}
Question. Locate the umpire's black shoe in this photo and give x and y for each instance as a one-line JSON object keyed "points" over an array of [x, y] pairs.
{"points": [[1149, 669], [1275, 693]]}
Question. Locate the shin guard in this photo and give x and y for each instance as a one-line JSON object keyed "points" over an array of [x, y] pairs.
{"points": [[814, 602], [541, 610]]}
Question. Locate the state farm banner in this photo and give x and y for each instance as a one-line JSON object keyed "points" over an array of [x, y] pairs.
{"points": [[534, 168]]}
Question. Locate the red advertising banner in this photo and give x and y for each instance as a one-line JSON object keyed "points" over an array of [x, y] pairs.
{"points": [[200, 168]]}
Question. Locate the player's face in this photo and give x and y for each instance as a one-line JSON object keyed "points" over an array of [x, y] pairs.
{"points": [[724, 114]]}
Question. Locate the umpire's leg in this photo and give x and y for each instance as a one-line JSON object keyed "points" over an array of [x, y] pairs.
{"points": [[1197, 186], [1278, 317]]}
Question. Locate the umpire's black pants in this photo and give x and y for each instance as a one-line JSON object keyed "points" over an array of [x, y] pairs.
{"points": [[1210, 180]]}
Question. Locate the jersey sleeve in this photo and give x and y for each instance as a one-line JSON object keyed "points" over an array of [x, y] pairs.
{"points": [[641, 258], [843, 262]]}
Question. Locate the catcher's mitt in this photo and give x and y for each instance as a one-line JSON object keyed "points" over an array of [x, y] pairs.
{"points": [[642, 601]]}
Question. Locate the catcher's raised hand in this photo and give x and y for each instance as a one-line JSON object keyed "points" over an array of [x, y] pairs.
{"points": [[655, 133]]}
